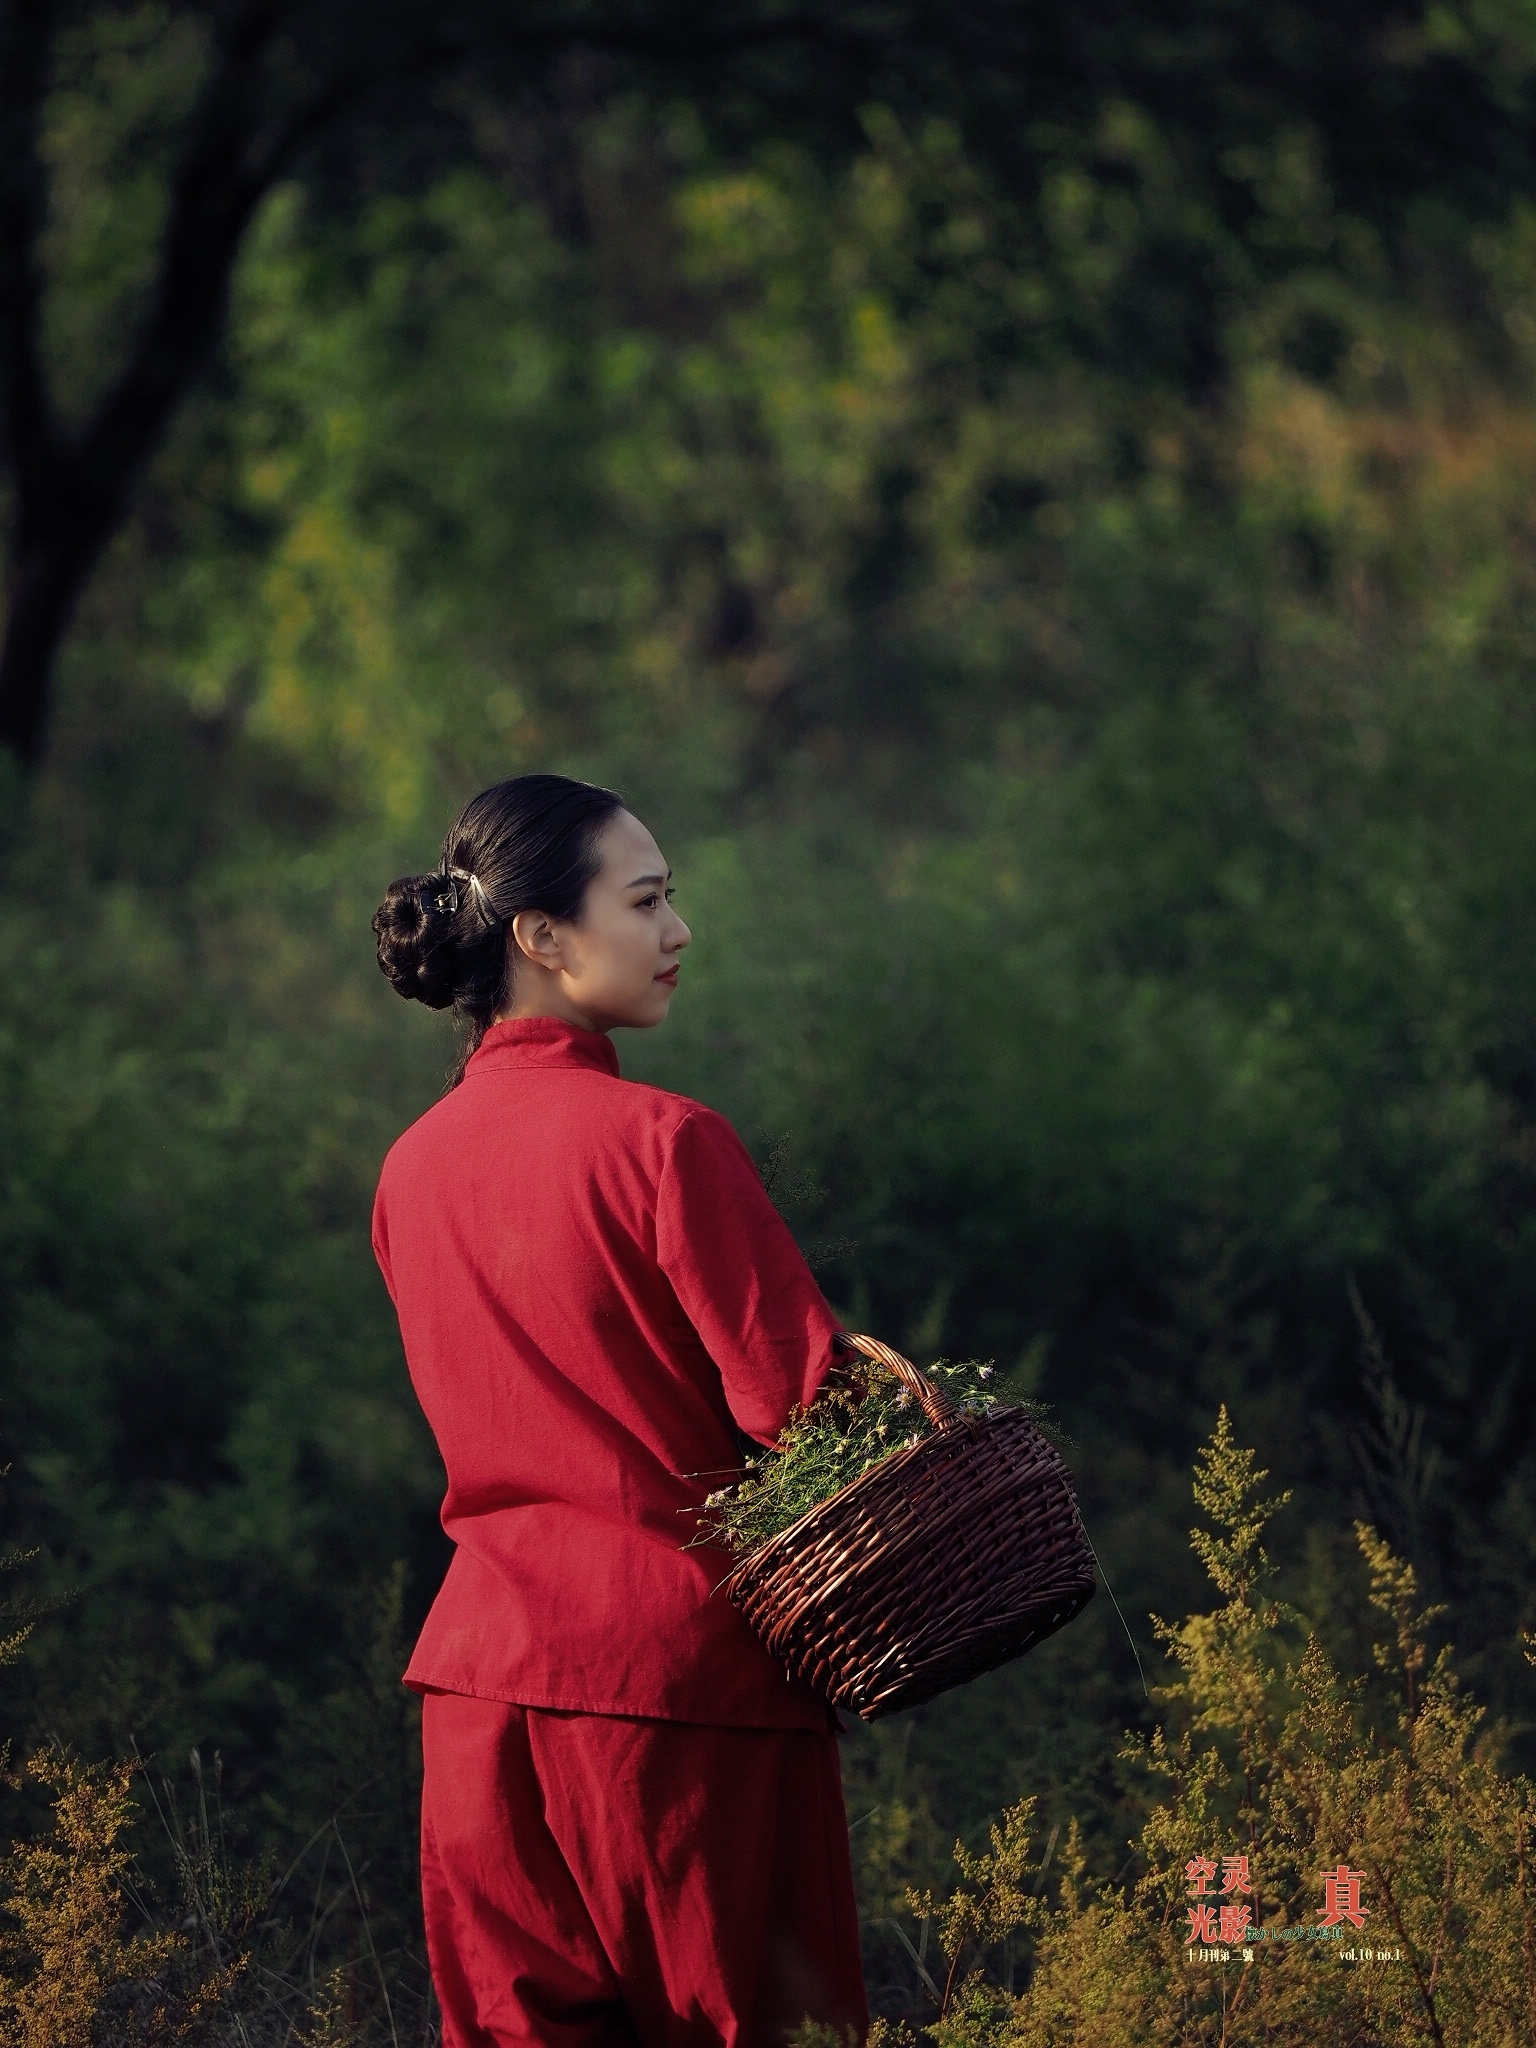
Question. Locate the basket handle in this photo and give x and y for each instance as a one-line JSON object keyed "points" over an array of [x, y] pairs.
{"points": [[934, 1402]]}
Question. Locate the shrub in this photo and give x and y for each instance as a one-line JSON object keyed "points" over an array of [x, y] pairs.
{"points": [[68, 1973], [1386, 1854]]}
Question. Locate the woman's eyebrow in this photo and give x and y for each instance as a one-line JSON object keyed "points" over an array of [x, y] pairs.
{"points": [[650, 881]]}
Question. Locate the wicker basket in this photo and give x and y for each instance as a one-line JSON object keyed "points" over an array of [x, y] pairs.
{"points": [[948, 1558]]}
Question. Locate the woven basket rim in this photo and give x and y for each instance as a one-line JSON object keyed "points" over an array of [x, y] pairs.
{"points": [[960, 1422]]}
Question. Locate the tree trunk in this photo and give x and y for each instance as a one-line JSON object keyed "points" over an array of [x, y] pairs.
{"points": [[47, 575]]}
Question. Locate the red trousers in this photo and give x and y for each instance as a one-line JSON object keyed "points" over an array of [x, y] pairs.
{"points": [[592, 1881]]}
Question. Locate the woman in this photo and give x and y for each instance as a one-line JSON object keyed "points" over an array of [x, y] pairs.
{"points": [[632, 1821]]}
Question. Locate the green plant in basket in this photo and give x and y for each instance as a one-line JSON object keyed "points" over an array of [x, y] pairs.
{"points": [[862, 1415]]}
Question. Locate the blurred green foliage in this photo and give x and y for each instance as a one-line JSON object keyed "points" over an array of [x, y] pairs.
{"points": [[1105, 801]]}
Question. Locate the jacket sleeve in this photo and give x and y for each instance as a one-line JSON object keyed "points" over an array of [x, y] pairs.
{"points": [[739, 1276]]}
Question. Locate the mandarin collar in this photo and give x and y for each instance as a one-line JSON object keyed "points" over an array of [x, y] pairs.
{"points": [[543, 1042]]}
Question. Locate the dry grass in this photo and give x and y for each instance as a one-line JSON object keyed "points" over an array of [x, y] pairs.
{"points": [[1269, 1751], [1266, 1749], [68, 1973]]}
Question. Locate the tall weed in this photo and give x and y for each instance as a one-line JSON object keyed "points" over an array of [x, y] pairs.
{"points": [[1323, 1855]]}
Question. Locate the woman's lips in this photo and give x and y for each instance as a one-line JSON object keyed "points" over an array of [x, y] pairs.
{"points": [[670, 977]]}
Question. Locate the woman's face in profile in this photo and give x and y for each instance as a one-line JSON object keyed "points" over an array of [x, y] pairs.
{"points": [[617, 964]]}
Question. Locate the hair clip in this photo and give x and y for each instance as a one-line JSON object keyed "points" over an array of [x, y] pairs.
{"points": [[478, 891], [438, 895]]}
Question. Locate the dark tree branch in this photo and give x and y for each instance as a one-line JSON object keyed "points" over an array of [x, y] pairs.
{"points": [[32, 434], [72, 493], [221, 182]]}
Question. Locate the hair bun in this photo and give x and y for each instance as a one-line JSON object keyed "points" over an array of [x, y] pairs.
{"points": [[418, 950]]}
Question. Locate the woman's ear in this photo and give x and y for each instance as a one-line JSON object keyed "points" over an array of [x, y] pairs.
{"points": [[532, 935]]}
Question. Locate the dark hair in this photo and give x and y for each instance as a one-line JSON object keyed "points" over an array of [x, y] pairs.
{"points": [[527, 844]]}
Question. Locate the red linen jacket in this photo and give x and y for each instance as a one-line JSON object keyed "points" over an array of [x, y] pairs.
{"points": [[592, 1285]]}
